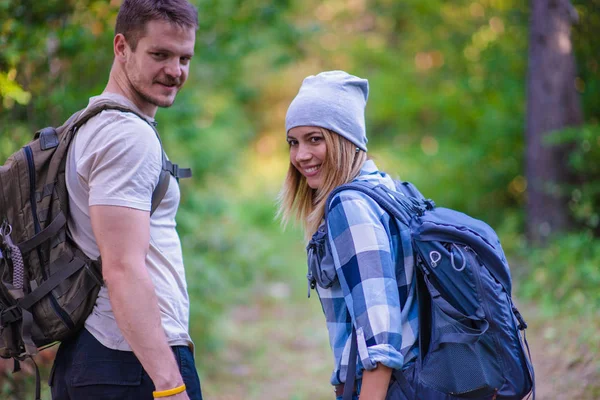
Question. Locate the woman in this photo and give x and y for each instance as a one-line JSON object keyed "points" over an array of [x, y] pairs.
{"points": [[365, 272]]}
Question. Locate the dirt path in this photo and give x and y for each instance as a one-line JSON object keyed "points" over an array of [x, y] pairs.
{"points": [[276, 349], [566, 367]]}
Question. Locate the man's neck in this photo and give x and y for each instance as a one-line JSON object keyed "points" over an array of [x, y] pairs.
{"points": [[117, 83]]}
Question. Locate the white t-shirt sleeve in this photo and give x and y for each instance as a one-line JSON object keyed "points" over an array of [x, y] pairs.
{"points": [[124, 161]]}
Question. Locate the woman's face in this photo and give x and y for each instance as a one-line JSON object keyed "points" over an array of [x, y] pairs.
{"points": [[307, 153]]}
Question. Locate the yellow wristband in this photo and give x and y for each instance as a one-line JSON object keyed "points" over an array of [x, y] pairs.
{"points": [[170, 392]]}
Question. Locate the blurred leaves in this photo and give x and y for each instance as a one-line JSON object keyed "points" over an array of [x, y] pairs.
{"points": [[565, 275], [10, 91], [583, 162]]}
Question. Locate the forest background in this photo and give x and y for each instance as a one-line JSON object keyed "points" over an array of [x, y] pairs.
{"points": [[448, 110]]}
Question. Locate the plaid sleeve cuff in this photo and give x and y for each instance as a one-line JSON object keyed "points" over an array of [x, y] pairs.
{"points": [[385, 354]]}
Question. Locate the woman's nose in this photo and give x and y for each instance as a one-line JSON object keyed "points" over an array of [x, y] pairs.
{"points": [[303, 153]]}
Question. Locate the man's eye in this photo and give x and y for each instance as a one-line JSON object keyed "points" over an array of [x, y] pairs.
{"points": [[292, 142], [158, 55]]}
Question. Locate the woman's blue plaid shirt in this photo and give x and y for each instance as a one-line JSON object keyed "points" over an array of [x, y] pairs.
{"points": [[374, 286]]}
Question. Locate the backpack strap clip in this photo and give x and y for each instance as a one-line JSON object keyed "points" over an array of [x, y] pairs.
{"points": [[9, 316], [429, 204], [176, 171], [522, 324], [48, 138]]}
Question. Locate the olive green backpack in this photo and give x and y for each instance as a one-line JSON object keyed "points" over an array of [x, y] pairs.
{"points": [[48, 285]]}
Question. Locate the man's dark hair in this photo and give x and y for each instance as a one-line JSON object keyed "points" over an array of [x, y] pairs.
{"points": [[135, 14]]}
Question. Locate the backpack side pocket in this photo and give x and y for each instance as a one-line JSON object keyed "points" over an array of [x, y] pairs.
{"points": [[462, 359]]}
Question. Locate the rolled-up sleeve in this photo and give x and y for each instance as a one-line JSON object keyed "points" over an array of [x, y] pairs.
{"points": [[360, 247]]}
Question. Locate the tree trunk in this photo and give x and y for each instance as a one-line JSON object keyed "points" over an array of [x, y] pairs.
{"points": [[552, 104]]}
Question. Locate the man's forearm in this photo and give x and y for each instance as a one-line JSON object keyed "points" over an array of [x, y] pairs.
{"points": [[123, 236], [136, 311]]}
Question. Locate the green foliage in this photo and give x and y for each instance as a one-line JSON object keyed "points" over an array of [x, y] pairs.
{"points": [[587, 51], [564, 276], [583, 162], [49, 63], [10, 91], [229, 243]]}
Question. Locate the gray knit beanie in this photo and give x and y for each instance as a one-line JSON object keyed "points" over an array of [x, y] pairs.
{"points": [[334, 100]]}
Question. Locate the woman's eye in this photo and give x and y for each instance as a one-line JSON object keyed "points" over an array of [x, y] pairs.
{"points": [[315, 139], [292, 142]]}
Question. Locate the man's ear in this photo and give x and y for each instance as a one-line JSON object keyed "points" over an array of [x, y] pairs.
{"points": [[121, 48]]}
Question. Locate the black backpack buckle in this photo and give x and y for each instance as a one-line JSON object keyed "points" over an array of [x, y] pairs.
{"points": [[429, 204], [522, 324], [10, 315], [48, 138], [176, 171]]}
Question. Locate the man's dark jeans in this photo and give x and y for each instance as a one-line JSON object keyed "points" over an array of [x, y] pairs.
{"points": [[85, 369]]}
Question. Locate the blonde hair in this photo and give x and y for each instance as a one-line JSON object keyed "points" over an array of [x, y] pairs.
{"points": [[299, 202]]}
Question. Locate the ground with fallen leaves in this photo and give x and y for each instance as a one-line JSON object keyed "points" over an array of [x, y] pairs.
{"points": [[275, 347]]}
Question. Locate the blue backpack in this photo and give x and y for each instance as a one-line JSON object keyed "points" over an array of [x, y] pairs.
{"points": [[470, 345]]}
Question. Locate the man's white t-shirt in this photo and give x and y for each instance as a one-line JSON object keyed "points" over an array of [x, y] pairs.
{"points": [[115, 159]]}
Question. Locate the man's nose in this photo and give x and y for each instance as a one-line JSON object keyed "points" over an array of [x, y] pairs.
{"points": [[173, 68]]}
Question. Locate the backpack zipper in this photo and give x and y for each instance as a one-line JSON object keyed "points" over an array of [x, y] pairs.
{"points": [[64, 317], [31, 165]]}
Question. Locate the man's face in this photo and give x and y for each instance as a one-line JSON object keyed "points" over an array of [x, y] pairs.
{"points": [[159, 66]]}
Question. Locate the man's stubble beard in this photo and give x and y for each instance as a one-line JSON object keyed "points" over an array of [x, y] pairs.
{"points": [[147, 98], [152, 100]]}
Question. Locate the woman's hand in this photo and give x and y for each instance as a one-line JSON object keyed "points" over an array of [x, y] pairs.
{"points": [[375, 383]]}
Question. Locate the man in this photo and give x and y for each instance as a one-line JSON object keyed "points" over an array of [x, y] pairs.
{"points": [[136, 343]]}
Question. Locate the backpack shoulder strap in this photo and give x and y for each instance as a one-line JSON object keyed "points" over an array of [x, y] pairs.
{"points": [[351, 371], [408, 189], [168, 168], [102, 105], [161, 189], [397, 204]]}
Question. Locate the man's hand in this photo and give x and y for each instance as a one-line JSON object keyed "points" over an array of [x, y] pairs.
{"points": [[123, 237]]}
